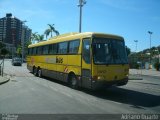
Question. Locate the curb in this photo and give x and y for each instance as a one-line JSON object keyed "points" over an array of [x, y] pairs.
{"points": [[157, 77], [134, 77], [4, 80]]}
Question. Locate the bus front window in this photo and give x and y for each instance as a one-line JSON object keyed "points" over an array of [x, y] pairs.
{"points": [[109, 51]]}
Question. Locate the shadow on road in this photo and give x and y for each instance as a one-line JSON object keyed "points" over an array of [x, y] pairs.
{"points": [[134, 98]]}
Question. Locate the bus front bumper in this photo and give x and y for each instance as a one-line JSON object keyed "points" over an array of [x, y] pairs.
{"points": [[104, 84]]}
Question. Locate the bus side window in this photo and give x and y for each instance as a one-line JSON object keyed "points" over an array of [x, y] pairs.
{"points": [[45, 49], [86, 51], [62, 48], [52, 49], [29, 51], [34, 51], [39, 52], [74, 46]]}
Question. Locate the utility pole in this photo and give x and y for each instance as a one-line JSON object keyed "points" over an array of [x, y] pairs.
{"points": [[136, 44], [22, 40], [150, 33], [136, 51], [80, 5]]}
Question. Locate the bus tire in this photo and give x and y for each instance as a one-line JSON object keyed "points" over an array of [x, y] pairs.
{"points": [[122, 83], [35, 71], [73, 82], [39, 72]]}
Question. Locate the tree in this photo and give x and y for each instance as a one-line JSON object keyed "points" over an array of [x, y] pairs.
{"points": [[1, 45], [3, 50], [34, 36], [50, 30], [47, 32], [26, 47], [57, 33], [128, 50], [19, 50], [28, 43], [40, 37]]}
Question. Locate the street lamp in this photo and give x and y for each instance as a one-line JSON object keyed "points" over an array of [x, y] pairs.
{"points": [[136, 44], [80, 5], [150, 33]]}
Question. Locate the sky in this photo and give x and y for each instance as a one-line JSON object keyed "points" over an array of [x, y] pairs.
{"points": [[131, 19]]}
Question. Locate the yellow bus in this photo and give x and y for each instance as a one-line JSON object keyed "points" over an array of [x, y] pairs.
{"points": [[89, 60]]}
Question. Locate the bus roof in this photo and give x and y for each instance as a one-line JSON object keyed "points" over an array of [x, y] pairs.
{"points": [[74, 35]]}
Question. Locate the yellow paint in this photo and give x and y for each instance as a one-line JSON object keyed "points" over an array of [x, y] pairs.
{"points": [[73, 63]]}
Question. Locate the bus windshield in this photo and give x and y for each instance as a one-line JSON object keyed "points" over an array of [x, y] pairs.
{"points": [[109, 51]]}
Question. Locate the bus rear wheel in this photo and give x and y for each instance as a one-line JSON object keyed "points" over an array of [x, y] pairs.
{"points": [[39, 72], [122, 83], [73, 82], [35, 71]]}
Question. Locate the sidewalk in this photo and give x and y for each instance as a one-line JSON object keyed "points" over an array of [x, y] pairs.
{"points": [[138, 73], [4, 79]]}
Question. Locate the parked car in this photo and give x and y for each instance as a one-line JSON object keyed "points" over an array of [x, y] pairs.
{"points": [[17, 61]]}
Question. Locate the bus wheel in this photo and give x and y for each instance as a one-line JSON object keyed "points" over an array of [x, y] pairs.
{"points": [[122, 83], [39, 72], [73, 82], [35, 71]]}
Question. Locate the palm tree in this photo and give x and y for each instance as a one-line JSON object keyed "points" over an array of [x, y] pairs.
{"points": [[57, 33], [50, 30], [34, 36], [47, 32], [40, 37]]}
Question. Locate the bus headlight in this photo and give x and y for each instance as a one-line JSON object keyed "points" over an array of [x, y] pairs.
{"points": [[127, 75], [98, 78]]}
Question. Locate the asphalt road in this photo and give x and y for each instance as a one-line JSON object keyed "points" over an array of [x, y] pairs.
{"points": [[28, 94]]}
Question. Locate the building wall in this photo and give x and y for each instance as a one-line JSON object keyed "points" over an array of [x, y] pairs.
{"points": [[2, 29], [26, 36], [11, 30]]}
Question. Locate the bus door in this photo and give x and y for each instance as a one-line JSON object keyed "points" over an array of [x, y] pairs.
{"points": [[86, 63]]}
